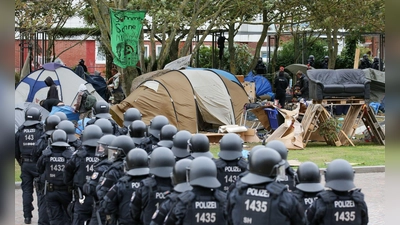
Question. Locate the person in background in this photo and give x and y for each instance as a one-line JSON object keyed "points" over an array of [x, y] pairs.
{"points": [[325, 62], [82, 63], [114, 84], [280, 84], [260, 67], [53, 91], [49, 103], [310, 62], [365, 62], [303, 84]]}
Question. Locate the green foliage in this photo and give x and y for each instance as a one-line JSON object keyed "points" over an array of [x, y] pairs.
{"points": [[329, 129]]}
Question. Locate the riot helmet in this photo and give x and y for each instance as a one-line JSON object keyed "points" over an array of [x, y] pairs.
{"points": [[156, 124], [326, 57], [32, 116], [137, 162], [180, 143], [105, 126], [231, 146], [339, 175], [161, 162], [365, 56], [137, 131], [102, 110], [254, 149], [203, 173], [59, 138], [90, 135], [102, 145], [69, 128], [50, 123], [178, 175], [280, 147], [199, 145], [120, 147], [309, 177], [311, 57], [131, 115], [376, 59], [166, 136], [62, 116], [265, 165]]}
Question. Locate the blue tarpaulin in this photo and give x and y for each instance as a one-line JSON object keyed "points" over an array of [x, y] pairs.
{"points": [[68, 110], [263, 86]]}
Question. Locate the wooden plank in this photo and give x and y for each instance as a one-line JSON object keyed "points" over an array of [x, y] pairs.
{"points": [[356, 58], [369, 120], [348, 139], [349, 124], [340, 101]]}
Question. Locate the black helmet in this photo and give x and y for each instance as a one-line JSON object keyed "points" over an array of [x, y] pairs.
{"points": [[203, 173], [59, 138], [178, 175], [105, 126], [90, 135], [365, 56], [131, 115], [161, 162], [102, 145], [199, 145], [264, 166], [166, 136], [231, 147], [280, 147], [326, 57], [156, 124], [309, 177], [339, 175], [137, 162], [69, 128], [120, 147], [62, 116], [311, 57], [180, 143], [254, 149], [102, 110], [32, 116], [50, 123], [137, 131]]}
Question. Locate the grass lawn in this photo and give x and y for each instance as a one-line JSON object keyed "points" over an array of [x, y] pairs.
{"points": [[363, 154]]}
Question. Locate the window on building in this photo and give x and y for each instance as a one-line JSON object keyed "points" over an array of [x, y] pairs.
{"points": [[146, 51], [100, 55], [158, 50]]}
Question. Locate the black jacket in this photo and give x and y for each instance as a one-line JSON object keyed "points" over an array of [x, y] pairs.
{"points": [[53, 92]]}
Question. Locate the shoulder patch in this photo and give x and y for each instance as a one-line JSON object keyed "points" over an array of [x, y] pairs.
{"points": [[95, 175]]}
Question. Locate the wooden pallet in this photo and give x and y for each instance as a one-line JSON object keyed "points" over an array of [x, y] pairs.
{"points": [[340, 101], [349, 125], [372, 125]]}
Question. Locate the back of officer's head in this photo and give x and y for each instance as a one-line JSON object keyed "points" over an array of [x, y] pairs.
{"points": [[62, 116], [161, 163], [199, 145], [50, 123], [156, 124], [309, 177], [131, 115], [137, 162], [32, 116], [166, 136], [59, 138], [102, 110], [180, 144], [231, 146], [280, 147], [90, 135], [102, 145], [339, 175], [121, 145], [69, 128], [105, 126], [203, 173], [264, 166], [179, 175]]}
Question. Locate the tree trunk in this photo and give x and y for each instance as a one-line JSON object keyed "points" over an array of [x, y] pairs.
{"points": [[231, 48], [261, 41]]}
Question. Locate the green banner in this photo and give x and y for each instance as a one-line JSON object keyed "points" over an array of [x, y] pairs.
{"points": [[125, 32]]}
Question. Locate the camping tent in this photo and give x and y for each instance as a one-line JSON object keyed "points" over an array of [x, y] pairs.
{"points": [[263, 86], [33, 89], [188, 98], [20, 109], [99, 85], [377, 92], [224, 73]]}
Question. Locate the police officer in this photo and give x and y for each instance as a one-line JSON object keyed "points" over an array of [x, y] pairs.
{"points": [[258, 199], [150, 195], [89, 188], [205, 203], [102, 110], [365, 62], [310, 61], [130, 115], [199, 145], [231, 162], [155, 128], [105, 126], [50, 124], [166, 136], [180, 144], [181, 184], [290, 179], [137, 131], [117, 200], [309, 184], [69, 128], [79, 169], [325, 62], [62, 116], [25, 139], [342, 203], [117, 151], [52, 164]]}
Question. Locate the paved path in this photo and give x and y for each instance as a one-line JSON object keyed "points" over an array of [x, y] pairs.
{"points": [[372, 185]]}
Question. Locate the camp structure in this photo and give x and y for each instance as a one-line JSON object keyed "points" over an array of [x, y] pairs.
{"points": [[32, 88], [377, 78], [192, 100]]}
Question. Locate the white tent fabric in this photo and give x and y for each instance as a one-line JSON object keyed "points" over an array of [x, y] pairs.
{"points": [[212, 97], [33, 89], [20, 109]]}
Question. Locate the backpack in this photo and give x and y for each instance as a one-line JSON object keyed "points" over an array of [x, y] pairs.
{"points": [[88, 100]]}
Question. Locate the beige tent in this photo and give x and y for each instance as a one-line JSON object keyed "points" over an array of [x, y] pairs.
{"points": [[192, 100]]}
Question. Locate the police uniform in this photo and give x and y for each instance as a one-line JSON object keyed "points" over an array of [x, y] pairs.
{"points": [[267, 203], [148, 197], [117, 200], [333, 207], [57, 194], [163, 211], [25, 140], [305, 198], [198, 206], [78, 170], [290, 179], [228, 171], [109, 178]]}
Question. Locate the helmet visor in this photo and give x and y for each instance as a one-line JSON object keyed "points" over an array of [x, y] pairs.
{"points": [[101, 150], [112, 154], [280, 173]]}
